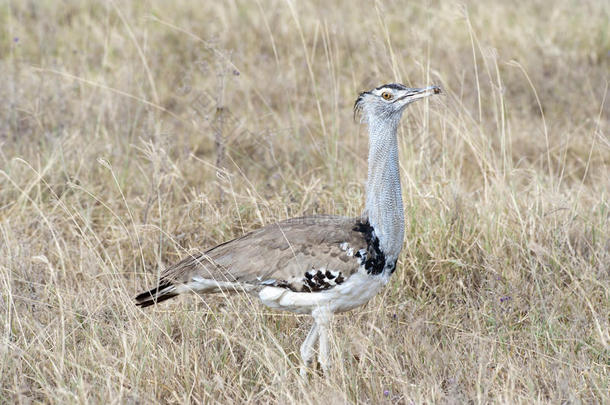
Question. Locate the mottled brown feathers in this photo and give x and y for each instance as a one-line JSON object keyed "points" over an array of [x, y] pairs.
{"points": [[279, 254]]}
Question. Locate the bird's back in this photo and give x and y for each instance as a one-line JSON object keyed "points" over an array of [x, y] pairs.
{"points": [[307, 254]]}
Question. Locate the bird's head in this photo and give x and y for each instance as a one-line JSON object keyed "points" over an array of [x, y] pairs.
{"points": [[387, 102]]}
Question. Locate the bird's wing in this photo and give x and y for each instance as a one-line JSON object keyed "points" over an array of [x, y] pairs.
{"points": [[303, 254]]}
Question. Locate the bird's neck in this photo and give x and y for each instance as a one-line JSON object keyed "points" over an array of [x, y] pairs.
{"points": [[384, 207]]}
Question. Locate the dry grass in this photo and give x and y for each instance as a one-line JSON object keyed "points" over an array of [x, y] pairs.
{"points": [[109, 125]]}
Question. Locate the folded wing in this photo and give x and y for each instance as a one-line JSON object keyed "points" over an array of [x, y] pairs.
{"points": [[306, 254]]}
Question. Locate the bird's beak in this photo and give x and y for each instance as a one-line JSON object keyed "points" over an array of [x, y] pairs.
{"points": [[411, 95]]}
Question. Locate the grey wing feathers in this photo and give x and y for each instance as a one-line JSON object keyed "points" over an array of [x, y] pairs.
{"points": [[289, 248], [303, 254]]}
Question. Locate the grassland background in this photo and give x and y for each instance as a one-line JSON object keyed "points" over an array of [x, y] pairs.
{"points": [[110, 169]]}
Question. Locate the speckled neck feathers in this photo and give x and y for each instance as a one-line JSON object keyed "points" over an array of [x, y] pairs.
{"points": [[384, 207]]}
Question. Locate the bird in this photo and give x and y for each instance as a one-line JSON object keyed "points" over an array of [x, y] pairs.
{"points": [[317, 265]]}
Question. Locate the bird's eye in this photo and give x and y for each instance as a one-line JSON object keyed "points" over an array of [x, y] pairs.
{"points": [[386, 95]]}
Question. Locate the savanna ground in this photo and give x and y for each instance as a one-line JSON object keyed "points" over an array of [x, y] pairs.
{"points": [[133, 133]]}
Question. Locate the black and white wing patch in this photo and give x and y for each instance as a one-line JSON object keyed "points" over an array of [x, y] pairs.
{"points": [[340, 260], [321, 279]]}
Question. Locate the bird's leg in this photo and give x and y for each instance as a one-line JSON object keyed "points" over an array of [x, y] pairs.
{"points": [[322, 317], [307, 348]]}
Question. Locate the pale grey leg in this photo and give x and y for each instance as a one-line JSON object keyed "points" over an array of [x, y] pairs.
{"points": [[307, 348], [323, 316]]}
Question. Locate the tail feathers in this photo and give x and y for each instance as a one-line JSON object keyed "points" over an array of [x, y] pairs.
{"points": [[158, 294]]}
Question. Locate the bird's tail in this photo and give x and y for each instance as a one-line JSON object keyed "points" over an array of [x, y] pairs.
{"points": [[162, 292]]}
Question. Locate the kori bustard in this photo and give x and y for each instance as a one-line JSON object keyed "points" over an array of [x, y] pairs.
{"points": [[317, 265]]}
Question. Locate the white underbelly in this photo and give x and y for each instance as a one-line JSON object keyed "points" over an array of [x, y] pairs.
{"points": [[357, 290]]}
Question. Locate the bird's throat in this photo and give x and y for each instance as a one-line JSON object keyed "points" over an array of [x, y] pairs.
{"points": [[384, 208]]}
